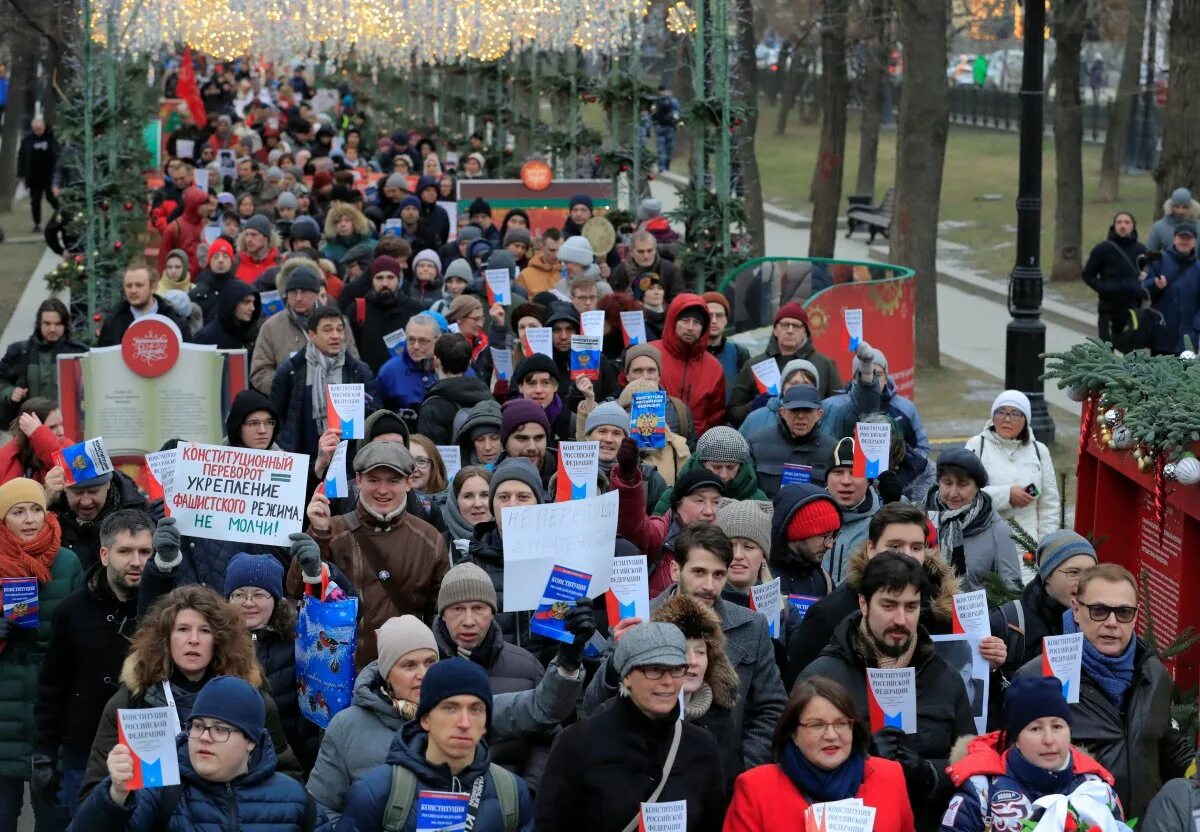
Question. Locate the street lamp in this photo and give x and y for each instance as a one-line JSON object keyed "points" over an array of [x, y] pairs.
{"points": [[1026, 334]]}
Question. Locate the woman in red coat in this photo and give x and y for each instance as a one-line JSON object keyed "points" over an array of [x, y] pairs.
{"points": [[820, 756], [37, 435]]}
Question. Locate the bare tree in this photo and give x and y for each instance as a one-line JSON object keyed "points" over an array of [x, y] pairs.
{"points": [[878, 27], [1179, 164], [921, 134], [1069, 17], [747, 156], [22, 71], [831, 155], [1122, 108]]}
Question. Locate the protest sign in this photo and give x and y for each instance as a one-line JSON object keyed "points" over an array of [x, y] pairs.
{"points": [[452, 458], [562, 593], [577, 534], [84, 461], [648, 419], [395, 342], [970, 614], [210, 234], [161, 482], [585, 357], [200, 179], [539, 339], [394, 227], [592, 323], [498, 286], [766, 599], [766, 376], [794, 472], [578, 470], [442, 811], [961, 652], [325, 645], [628, 593], [854, 328], [271, 301], [186, 149], [872, 449], [664, 817], [345, 406], [892, 698], [149, 734], [802, 603], [337, 478], [633, 327], [502, 363], [227, 162], [1062, 657], [20, 598], [239, 494]]}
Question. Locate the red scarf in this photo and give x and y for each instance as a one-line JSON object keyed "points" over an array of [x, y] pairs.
{"points": [[20, 558]]}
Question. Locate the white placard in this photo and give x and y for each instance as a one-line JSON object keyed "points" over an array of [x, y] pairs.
{"points": [[633, 324], [499, 289], [162, 468], [337, 478], [200, 178], [971, 615], [185, 149], [872, 448], [593, 322], [961, 652], [578, 471], [766, 599], [629, 589], [1062, 657], [854, 328], [502, 363], [452, 457], [664, 817], [539, 339]]}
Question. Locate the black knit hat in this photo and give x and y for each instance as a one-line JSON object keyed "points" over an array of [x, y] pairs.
{"points": [[693, 481], [964, 460], [536, 363]]}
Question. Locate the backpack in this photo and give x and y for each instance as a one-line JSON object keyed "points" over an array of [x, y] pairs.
{"points": [[404, 790], [1141, 332], [664, 112], [360, 311]]}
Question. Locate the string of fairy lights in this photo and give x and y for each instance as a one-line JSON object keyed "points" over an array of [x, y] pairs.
{"points": [[392, 34]]}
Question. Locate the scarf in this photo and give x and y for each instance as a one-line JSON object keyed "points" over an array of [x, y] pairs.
{"points": [[819, 785], [1113, 674], [1039, 780], [699, 704], [20, 558], [321, 370], [953, 523], [874, 656], [456, 524], [553, 411]]}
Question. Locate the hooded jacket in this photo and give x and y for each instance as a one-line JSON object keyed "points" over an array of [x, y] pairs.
{"points": [[797, 575], [207, 290], [746, 389], [225, 330], [539, 276], [248, 269], [83, 536], [688, 370], [773, 447], [369, 796], [186, 232], [445, 399], [484, 414], [1179, 302], [743, 486], [1012, 462], [1112, 272], [1163, 230], [486, 551]]}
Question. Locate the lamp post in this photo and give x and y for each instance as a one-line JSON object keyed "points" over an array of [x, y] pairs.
{"points": [[1026, 335]]}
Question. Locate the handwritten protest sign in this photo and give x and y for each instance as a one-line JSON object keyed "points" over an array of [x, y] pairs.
{"points": [[892, 698], [345, 406], [628, 593], [578, 470], [1062, 657], [149, 734]]}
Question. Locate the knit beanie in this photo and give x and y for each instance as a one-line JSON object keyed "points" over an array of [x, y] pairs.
{"points": [[965, 460], [460, 269], [479, 206], [1015, 399], [454, 677], [816, 517], [264, 572], [386, 263], [287, 199], [410, 202], [470, 234], [843, 453], [464, 583], [796, 365], [517, 412], [580, 199], [652, 643], [1181, 197], [427, 256], [644, 350], [220, 244], [396, 180], [303, 278], [463, 306], [21, 490], [235, 702], [723, 444], [577, 250], [1029, 698], [535, 363], [648, 209], [749, 519], [258, 223], [520, 469], [692, 481], [503, 259], [400, 636], [608, 413], [791, 310], [1059, 546], [716, 297], [518, 235]]}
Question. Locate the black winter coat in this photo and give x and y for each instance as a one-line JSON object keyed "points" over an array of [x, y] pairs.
{"points": [[37, 157], [1137, 742], [487, 552], [379, 320], [225, 330], [82, 667], [32, 364], [443, 400], [292, 400], [83, 537], [1111, 271], [120, 318], [1042, 617], [208, 288], [797, 575]]}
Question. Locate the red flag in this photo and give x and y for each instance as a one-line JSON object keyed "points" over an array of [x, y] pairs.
{"points": [[189, 90]]}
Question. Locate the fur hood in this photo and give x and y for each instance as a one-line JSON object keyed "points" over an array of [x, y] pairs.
{"points": [[698, 621], [940, 573], [1193, 211], [135, 677], [362, 226]]}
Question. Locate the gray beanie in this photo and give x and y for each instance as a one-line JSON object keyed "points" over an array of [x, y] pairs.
{"points": [[459, 268], [654, 642], [608, 413], [520, 469], [396, 180], [258, 223], [470, 234], [464, 583], [750, 519], [303, 277], [287, 199], [274, 173], [723, 444], [649, 209], [1181, 197], [796, 365], [400, 636]]}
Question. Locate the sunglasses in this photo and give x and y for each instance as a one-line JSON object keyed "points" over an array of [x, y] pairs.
{"points": [[1101, 612]]}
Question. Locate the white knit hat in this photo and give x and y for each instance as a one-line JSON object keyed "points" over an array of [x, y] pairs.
{"points": [[1014, 398], [577, 250]]}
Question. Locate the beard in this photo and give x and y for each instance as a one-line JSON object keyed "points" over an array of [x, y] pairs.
{"points": [[384, 297], [892, 651]]}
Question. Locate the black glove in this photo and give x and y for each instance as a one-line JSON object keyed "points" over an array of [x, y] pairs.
{"points": [[919, 773], [886, 742], [167, 544], [308, 553], [43, 779], [7, 629], [627, 459], [580, 622], [889, 487]]}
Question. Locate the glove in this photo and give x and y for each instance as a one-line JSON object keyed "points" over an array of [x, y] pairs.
{"points": [[167, 554], [6, 629], [580, 622], [864, 363], [43, 779], [889, 487], [919, 773], [627, 459], [308, 553], [886, 743], [759, 401]]}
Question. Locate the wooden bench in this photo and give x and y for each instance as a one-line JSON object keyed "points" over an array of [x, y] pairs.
{"points": [[877, 219]]}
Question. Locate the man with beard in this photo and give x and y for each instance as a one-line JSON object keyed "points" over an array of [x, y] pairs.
{"points": [[139, 286], [886, 633], [524, 432], [88, 644], [383, 311], [644, 257]]}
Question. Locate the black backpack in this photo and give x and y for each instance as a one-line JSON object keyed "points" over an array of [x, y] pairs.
{"points": [[664, 112]]}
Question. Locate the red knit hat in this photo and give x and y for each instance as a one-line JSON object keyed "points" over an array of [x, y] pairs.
{"points": [[219, 244], [816, 518], [716, 297], [795, 311]]}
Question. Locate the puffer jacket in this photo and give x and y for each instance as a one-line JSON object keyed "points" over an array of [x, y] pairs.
{"points": [[1163, 230], [368, 801], [773, 447], [1174, 807], [277, 654], [861, 400], [402, 382], [688, 370], [746, 389], [225, 331], [797, 576], [208, 290], [855, 526], [22, 660], [1012, 462], [1178, 302], [291, 396], [83, 537], [1139, 744], [743, 486], [33, 364], [261, 800]]}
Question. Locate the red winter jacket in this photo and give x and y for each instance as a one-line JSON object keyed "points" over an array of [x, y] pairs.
{"points": [[984, 757], [44, 446], [249, 270], [185, 232], [766, 800], [646, 533], [689, 371]]}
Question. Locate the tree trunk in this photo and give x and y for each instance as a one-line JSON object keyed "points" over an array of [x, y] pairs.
{"points": [[747, 155], [831, 155], [921, 133], [1179, 165], [21, 78], [1069, 17], [789, 89], [879, 25], [1122, 108]]}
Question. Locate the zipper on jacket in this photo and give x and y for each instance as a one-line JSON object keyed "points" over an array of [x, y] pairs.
{"points": [[233, 812]]}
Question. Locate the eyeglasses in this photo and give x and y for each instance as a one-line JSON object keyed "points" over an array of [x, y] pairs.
{"points": [[1008, 415], [216, 733], [421, 462], [240, 597], [829, 538], [1071, 574], [1101, 612], [654, 672], [818, 728], [789, 325], [259, 424]]}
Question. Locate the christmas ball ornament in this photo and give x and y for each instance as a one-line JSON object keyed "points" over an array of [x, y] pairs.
{"points": [[104, 205], [1169, 470], [1187, 355], [128, 206], [96, 317], [118, 245], [1122, 438], [78, 259], [1144, 463], [1075, 394], [1111, 418], [1187, 470]]}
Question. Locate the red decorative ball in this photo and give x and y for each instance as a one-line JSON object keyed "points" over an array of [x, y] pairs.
{"points": [[78, 259], [96, 317], [650, 177], [118, 245], [128, 206], [104, 206]]}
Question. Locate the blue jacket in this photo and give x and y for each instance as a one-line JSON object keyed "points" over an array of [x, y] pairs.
{"points": [[1178, 303], [402, 383], [861, 400], [732, 357], [261, 800], [292, 399], [368, 800]]}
